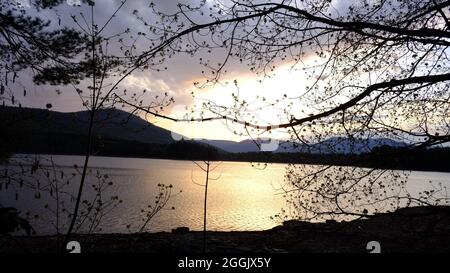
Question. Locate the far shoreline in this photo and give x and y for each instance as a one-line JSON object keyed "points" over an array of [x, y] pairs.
{"points": [[226, 160]]}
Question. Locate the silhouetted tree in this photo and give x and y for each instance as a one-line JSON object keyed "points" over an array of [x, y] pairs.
{"points": [[28, 41], [374, 70], [207, 166], [79, 56]]}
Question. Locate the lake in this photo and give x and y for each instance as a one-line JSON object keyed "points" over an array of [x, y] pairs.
{"points": [[243, 197]]}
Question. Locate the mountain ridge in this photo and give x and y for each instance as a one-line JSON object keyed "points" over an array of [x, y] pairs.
{"points": [[116, 124]]}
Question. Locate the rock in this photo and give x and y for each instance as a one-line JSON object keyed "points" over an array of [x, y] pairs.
{"points": [[180, 230]]}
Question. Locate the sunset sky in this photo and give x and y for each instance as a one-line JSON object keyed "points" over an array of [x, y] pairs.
{"points": [[178, 80]]}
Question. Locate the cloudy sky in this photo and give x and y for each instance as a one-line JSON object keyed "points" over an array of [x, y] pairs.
{"points": [[182, 71]]}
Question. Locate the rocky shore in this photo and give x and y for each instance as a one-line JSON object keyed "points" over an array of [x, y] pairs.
{"points": [[420, 229]]}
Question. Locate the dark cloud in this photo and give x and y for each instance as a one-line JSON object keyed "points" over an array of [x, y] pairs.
{"points": [[181, 71]]}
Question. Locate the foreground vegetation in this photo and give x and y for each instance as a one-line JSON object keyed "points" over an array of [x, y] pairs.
{"points": [[419, 229]]}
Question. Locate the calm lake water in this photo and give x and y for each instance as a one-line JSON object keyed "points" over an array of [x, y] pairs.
{"points": [[243, 198]]}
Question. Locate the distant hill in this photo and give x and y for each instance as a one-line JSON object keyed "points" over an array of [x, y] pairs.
{"points": [[341, 145], [333, 145], [118, 133], [109, 123], [116, 125]]}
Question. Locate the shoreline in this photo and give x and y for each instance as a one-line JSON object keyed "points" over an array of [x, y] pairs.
{"points": [[416, 229], [225, 160]]}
